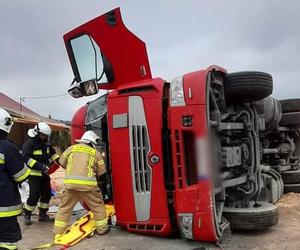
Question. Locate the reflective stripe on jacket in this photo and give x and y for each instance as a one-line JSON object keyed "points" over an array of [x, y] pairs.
{"points": [[10, 211], [36, 153], [83, 165], [9, 246]]}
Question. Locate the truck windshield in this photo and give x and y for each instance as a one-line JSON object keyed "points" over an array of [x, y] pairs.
{"points": [[97, 110], [88, 59]]}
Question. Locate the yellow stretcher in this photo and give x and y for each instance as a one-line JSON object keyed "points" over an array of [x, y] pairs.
{"points": [[82, 228]]}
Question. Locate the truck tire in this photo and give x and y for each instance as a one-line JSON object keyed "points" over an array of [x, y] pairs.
{"points": [[290, 105], [290, 119], [297, 144], [292, 188], [252, 218], [291, 176], [247, 86]]}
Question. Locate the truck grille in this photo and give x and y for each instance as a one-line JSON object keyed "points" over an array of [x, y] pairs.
{"points": [[140, 149], [140, 146], [145, 227]]}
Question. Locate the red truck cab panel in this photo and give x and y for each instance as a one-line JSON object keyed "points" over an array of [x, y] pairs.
{"points": [[78, 124], [124, 52], [193, 197], [135, 124]]}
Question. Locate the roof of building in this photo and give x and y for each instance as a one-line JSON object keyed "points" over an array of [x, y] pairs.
{"points": [[22, 114], [7, 103]]}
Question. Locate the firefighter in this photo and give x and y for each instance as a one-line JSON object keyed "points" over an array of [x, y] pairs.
{"points": [[12, 171], [38, 155], [83, 164]]}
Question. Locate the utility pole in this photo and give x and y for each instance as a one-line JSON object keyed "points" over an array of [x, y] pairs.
{"points": [[21, 104], [22, 99]]}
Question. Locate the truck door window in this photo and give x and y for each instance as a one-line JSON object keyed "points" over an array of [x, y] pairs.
{"points": [[88, 59], [97, 109]]}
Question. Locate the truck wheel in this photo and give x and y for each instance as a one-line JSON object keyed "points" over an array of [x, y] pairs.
{"points": [[297, 144], [248, 86], [295, 188], [290, 105], [290, 119], [252, 218], [291, 177]]}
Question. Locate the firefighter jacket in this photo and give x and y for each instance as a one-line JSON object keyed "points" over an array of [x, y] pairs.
{"points": [[12, 171], [83, 165], [36, 153]]}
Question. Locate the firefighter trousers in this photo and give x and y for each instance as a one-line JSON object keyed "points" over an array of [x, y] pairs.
{"points": [[39, 191], [70, 197], [10, 232]]}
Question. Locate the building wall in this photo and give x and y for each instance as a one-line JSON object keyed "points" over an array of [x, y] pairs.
{"points": [[18, 133]]}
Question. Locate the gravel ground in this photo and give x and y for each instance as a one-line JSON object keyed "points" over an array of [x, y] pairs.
{"points": [[285, 235], [41, 233]]}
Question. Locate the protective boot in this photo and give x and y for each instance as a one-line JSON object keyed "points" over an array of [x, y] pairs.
{"points": [[44, 217], [27, 218]]}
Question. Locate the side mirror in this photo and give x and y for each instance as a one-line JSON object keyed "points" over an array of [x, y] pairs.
{"points": [[89, 87], [75, 91], [86, 88]]}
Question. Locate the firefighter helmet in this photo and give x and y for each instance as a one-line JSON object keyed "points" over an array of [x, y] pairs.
{"points": [[89, 137], [41, 127], [6, 121]]}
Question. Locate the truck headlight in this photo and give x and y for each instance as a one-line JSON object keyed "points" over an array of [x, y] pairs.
{"points": [[186, 225], [176, 92]]}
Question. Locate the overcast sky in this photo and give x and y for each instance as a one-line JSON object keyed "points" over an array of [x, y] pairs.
{"points": [[181, 36]]}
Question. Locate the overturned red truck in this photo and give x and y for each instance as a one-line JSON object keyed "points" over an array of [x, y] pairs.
{"points": [[182, 156]]}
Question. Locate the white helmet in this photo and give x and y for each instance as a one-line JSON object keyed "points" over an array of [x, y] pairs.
{"points": [[89, 137], [6, 121], [41, 127]]}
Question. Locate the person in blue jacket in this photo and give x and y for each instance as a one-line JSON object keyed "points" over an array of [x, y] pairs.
{"points": [[12, 172]]}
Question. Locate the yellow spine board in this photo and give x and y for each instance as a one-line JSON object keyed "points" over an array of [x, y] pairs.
{"points": [[82, 228]]}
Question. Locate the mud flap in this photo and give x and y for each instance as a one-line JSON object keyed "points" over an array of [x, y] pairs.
{"points": [[82, 228]]}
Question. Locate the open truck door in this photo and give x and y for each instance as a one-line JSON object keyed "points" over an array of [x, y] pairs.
{"points": [[104, 53]]}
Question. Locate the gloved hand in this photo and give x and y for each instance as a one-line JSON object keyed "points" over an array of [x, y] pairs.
{"points": [[45, 169]]}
